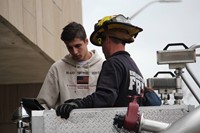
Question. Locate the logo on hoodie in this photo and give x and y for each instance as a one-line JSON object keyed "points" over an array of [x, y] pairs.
{"points": [[82, 79]]}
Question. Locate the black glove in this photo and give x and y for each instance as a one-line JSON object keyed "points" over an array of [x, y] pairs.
{"points": [[64, 110]]}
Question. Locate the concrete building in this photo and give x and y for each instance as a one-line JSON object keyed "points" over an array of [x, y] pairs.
{"points": [[29, 43]]}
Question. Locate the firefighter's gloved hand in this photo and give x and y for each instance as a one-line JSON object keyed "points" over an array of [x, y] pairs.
{"points": [[64, 109]]}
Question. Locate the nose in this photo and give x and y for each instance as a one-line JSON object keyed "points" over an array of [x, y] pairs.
{"points": [[75, 51]]}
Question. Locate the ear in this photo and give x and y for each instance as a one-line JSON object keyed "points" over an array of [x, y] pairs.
{"points": [[108, 39], [86, 41]]}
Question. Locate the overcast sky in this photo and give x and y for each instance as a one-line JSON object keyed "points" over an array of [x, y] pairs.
{"points": [[162, 23]]}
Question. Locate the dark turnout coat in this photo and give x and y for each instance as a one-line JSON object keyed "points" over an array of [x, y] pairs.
{"points": [[119, 79]]}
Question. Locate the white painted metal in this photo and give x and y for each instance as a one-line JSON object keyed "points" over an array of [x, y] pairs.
{"points": [[100, 120]]}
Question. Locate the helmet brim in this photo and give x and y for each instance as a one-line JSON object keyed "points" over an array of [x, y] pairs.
{"points": [[131, 30]]}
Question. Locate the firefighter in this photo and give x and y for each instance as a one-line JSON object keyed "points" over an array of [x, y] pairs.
{"points": [[120, 79]]}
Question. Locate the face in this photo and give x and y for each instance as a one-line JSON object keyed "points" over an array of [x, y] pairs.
{"points": [[78, 49], [105, 47]]}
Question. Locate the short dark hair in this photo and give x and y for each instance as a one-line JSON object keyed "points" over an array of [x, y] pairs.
{"points": [[117, 40], [73, 30]]}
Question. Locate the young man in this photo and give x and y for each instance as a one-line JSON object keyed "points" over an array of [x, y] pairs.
{"points": [[74, 76], [120, 79]]}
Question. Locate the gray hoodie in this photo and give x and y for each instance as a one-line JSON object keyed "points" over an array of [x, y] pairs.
{"points": [[68, 79]]}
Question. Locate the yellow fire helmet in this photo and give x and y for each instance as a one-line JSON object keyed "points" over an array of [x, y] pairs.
{"points": [[117, 26]]}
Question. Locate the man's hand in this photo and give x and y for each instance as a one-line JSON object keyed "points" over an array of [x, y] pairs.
{"points": [[64, 110]]}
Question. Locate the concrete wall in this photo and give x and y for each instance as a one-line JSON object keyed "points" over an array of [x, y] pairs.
{"points": [[42, 21]]}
